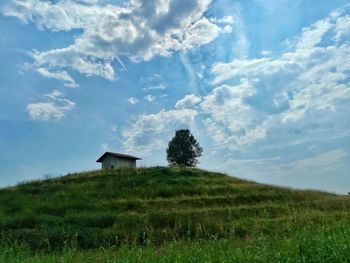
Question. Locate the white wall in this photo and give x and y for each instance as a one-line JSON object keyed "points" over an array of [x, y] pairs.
{"points": [[116, 162]]}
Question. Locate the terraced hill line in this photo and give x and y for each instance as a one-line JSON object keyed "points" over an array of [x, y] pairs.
{"points": [[128, 206]]}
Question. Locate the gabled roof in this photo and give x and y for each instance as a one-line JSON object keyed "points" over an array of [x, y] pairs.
{"points": [[120, 155]]}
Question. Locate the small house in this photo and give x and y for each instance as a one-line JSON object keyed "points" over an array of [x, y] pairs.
{"points": [[117, 160]]}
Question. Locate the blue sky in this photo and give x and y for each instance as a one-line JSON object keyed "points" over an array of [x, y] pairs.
{"points": [[264, 85]]}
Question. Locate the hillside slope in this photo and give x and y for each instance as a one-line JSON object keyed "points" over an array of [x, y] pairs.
{"points": [[155, 205]]}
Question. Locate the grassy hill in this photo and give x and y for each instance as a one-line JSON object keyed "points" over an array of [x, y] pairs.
{"points": [[155, 207]]}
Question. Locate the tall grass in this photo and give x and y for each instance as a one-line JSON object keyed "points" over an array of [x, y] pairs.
{"points": [[324, 246], [169, 210]]}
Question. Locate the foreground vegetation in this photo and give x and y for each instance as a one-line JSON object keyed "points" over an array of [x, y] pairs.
{"points": [[169, 215], [307, 245]]}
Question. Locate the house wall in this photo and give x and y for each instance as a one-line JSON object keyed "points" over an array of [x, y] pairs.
{"points": [[115, 162], [105, 162]]}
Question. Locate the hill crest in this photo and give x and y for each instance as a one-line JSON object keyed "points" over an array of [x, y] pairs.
{"points": [[158, 204]]}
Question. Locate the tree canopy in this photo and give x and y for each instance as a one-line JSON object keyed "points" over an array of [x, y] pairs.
{"points": [[183, 149]]}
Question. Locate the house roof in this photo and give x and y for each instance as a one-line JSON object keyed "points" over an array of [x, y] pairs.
{"points": [[120, 155]]}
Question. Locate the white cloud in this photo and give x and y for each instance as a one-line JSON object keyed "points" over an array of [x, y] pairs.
{"points": [[241, 42], [224, 20], [161, 86], [265, 52], [55, 108], [230, 121], [325, 160], [188, 101], [297, 97], [153, 83], [342, 28], [310, 84], [321, 86], [255, 67], [113, 128], [44, 111], [152, 131], [138, 30], [191, 74], [75, 58], [151, 80], [132, 100], [60, 75], [104, 146], [227, 29], [281, 171], [313, 35], [201, 72], [150, 98], [202, 32]]}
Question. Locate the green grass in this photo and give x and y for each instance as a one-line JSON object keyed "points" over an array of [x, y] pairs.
{"points": [[306, 245], [175, 214]]}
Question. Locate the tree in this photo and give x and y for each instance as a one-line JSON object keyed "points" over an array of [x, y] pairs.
{"points": [[183, 149]]}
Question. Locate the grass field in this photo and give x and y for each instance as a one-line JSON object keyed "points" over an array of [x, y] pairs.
{"points": [[319, 245], [170, 215]]}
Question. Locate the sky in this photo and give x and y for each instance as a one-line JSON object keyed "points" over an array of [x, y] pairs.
{"points": [[264, 86]]}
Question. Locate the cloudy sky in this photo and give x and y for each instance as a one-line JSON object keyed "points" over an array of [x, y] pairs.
{"points": [[264, 85]]}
